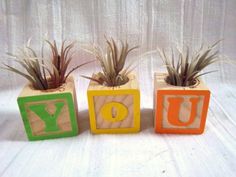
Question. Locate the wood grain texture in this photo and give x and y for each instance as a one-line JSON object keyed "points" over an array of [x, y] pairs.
{"points": [[38, 125], [132, 84], [126, 100], [69, 86], [160, 84], [184, 112]]}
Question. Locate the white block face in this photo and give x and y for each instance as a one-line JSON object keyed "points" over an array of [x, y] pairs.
{"points": [[112, 105], [184, 111]]}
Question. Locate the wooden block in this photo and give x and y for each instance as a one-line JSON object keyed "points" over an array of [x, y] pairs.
{"points": [[51, 113], [114, 109], [179, 109]]}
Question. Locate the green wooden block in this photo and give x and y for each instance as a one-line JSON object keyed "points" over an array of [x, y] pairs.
{"points": [[49, 114]]}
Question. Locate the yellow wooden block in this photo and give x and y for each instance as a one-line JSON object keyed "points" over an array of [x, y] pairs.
{"points": [[114, 109]]}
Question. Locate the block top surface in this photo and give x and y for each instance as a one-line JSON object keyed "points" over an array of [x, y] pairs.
{"points": [[161, 84], [132, 84], [28, 90]]}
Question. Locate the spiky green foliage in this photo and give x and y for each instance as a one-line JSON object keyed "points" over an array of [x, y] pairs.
{"points": [[45, 76], [112, 61], [189, 66]]}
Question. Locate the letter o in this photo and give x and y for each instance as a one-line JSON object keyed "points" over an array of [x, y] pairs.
{"points": [[121, 111]]}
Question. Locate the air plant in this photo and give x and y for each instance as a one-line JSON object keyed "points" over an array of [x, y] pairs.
{"points": [[112, 61], [44, 76], [189, 66]]}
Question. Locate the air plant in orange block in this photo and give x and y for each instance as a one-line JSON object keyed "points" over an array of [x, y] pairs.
{"points": [[181, 98], [47, 103]]}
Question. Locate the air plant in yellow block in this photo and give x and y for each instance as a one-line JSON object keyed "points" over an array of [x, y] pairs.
{"points": [[48, 103], [113, 93], [181, 98]]}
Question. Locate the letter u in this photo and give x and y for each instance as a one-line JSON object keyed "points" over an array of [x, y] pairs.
{"points": [[174, 108]]}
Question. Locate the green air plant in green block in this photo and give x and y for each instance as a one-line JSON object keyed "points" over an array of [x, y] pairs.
{"points": [[48, 103]]}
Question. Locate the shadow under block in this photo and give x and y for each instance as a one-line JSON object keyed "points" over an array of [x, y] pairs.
{"points": [[51, 113], [114, 109], [180, 110]]}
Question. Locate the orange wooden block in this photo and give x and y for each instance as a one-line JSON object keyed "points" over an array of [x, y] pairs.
{"points": [[180, 109]]}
